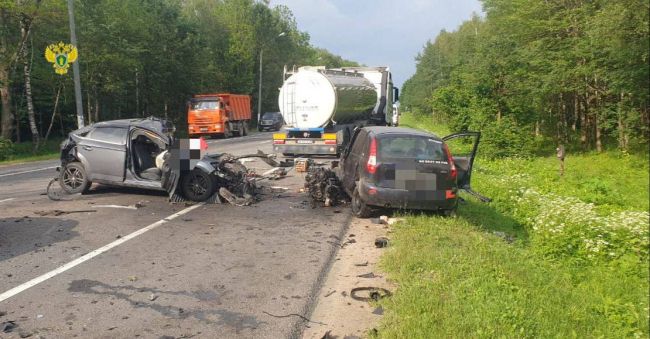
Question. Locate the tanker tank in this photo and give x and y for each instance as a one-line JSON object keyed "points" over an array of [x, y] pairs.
{"points": [[314, 97]]}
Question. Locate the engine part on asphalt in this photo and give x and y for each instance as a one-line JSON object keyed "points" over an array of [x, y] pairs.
{"points": [[324, 186], [373, 293], [381, 242]]}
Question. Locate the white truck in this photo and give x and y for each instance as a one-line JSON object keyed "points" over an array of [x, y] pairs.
{"points": [[321, 107]]}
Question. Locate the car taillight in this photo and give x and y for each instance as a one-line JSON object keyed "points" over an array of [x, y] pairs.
{"points": [[278, 142], [371, 166], [453, 172]]}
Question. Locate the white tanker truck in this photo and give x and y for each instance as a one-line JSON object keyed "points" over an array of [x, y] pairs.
{"points": [[322, 106]]}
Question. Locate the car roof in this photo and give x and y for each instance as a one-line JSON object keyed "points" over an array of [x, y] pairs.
{"points": [[152, 123], [385, 130]]}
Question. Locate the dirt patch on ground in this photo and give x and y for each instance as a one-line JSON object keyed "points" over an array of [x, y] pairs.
{"points": [[355, 266]]}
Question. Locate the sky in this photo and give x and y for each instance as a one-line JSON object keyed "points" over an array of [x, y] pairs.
{"points": [[379, 32]]}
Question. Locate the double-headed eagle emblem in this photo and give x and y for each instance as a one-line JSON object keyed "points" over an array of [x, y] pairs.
{"points": [[61, 56]]}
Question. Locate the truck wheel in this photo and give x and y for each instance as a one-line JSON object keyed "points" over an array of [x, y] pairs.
{"points": [[197, 185], [359, 207], [226, 131], [244, 129], [74, 179]]}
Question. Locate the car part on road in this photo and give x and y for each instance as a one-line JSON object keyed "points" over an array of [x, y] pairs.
{"points": [[374, 293], [293, 315], [324, 186], [381, 242]]}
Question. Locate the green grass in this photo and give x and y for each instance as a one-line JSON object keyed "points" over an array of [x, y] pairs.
{"points": [[458, 277], [23, 152]]}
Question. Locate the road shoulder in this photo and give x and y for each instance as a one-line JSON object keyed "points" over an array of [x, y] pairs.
{"points": [[356, 265]]}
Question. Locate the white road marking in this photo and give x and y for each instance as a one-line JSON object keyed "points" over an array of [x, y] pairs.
{"points": [[30, 171], [12, 292], [5, 200], [265, 142]]}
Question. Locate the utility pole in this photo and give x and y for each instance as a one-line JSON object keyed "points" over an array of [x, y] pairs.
{"points": [[75, 67], [259, 92]]}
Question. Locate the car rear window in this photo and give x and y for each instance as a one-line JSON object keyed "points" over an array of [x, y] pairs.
{"points": [[410, 147], [109, 134]]}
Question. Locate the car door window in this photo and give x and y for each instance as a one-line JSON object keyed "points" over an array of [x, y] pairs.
{"points": [[109, 134]]}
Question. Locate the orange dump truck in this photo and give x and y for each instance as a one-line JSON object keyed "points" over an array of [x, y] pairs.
{"points": [[219, 115]]}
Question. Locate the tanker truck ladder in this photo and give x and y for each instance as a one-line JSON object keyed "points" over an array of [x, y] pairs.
{"points": [[290, 103]]}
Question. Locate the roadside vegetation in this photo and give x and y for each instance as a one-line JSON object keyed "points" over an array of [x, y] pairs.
{"points": [[141, 58], [550, 256]]}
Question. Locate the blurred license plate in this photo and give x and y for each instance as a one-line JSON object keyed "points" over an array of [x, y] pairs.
{"points": [[204, 129], [305, 141]]}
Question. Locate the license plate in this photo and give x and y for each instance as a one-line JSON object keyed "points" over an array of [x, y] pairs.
{"points": [[305, 141], [204, 129]]}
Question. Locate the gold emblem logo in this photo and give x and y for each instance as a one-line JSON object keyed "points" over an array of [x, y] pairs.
{"points": [[61, 55]]}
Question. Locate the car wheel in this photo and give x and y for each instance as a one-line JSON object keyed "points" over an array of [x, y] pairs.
{"points": [[359, 207], [451, 213], [73, 178], [197, 185]]}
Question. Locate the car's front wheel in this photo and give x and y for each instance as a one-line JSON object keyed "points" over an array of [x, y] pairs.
{"points": [[359, 208], [197, 185], [74, 179]]}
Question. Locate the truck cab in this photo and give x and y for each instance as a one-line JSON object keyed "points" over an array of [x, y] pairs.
{"points": [[222, 115]]}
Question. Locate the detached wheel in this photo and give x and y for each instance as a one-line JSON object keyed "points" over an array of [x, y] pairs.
{"points": [[197, 185], [359, 207], [73, 178]]}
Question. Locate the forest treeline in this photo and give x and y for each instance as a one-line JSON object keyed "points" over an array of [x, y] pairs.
{"points": [[141, 58], [531, 73]]}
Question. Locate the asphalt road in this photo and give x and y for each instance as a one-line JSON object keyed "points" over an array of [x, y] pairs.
{"points": [[162, 270]]}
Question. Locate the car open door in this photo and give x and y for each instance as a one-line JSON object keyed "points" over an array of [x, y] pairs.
{"points": [[463, 147]]}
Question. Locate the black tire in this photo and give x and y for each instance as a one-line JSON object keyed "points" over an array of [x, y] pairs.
{"points": [[260, 129], [197, 185], [73, 178], [359, 207], [450, 213], [244, 130], [226, 131]]}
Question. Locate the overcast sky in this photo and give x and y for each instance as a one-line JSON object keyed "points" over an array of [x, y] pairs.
{"points": [[379, 32]]}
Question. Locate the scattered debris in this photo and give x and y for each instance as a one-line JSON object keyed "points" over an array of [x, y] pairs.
{"points": [[8, 326], [303, 164], [368, 275], [61, 212], [295, 315], [381, 242], [153, 297], [39, 316], [394, 220], [374, 293], [324, 186], [362, 264], [330, 293], [378, 311], [327, 335], [133, 278], [383, 219]]}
